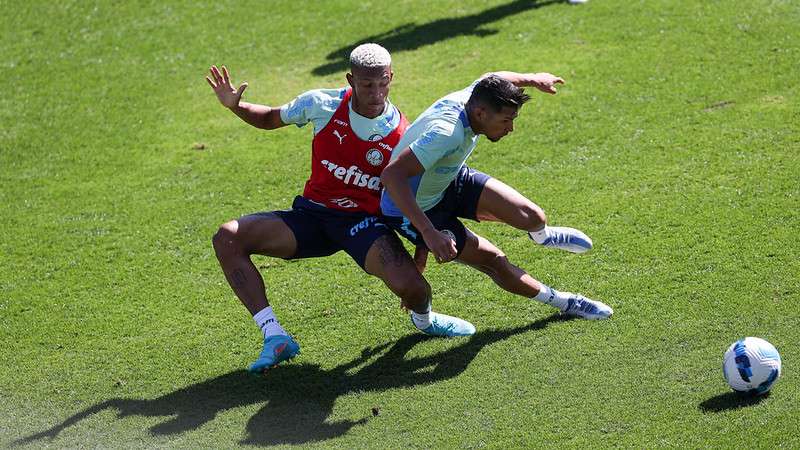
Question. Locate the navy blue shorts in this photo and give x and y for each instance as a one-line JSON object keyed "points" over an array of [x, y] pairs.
{"points": [[460, 200], [321, 231]]}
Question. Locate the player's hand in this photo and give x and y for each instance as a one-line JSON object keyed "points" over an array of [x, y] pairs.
{"points": [[546, 82], [221, 84], [441, 245]]}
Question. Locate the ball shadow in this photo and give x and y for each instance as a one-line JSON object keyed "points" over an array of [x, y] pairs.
{"points": [[730, 400]]}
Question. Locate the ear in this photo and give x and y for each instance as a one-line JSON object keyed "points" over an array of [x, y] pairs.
{"points": [[349, 77], [480, 112]]}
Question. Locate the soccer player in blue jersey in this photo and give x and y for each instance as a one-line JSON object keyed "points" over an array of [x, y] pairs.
{"points": [[428, 187]]}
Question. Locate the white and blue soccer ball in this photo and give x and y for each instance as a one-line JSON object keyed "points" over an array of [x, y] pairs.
{"points": [[751, 365]]}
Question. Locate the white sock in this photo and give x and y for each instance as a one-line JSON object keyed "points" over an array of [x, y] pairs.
{"points": [[552, 297], [421, 321], [266, 320], [539, 236]]}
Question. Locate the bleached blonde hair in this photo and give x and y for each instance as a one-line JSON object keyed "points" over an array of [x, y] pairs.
{"points": [[369, 56]]}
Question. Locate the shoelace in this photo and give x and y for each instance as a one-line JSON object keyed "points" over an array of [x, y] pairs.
{"points": [[581, 304], [557, 238], [449, 327]]}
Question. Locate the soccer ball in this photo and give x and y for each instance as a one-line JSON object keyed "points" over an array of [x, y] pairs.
{"points": [[751, 365]]}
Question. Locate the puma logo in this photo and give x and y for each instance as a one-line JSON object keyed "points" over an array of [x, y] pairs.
{"points": [[341, 138]]}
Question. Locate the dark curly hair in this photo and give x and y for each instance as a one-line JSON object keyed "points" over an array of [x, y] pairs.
{"points": [[496, 93]]}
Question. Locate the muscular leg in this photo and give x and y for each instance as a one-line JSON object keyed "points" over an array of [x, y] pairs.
{"points": [[234, 242], [500, 202], [421, 258], [388, 260], [486, 257]]}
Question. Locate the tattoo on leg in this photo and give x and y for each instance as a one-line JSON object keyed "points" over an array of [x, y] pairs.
{"points": [[392, 252], [239, 278]]}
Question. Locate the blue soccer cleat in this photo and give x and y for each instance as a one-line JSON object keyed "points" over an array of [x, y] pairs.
{"points": [[448, 326], [580, 306], [566, 238], [277, 348]]}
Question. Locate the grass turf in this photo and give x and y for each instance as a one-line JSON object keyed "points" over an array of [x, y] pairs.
{"points": [[673, 145]]}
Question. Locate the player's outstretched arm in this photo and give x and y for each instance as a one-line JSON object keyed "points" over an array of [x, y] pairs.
{"points": [[543, 81], [259, 116]]}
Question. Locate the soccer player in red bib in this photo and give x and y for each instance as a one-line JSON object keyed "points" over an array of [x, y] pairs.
{"points": [[355, 129]]}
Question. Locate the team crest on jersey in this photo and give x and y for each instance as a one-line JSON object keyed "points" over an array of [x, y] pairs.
{"points": [[375, 157]]}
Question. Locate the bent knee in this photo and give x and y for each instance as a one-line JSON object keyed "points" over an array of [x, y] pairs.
{"points": [[531, 217], [497, 265], [225, 240], [501, 264]]}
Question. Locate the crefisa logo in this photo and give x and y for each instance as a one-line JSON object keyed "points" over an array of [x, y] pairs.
{"points": [[375, 157]]}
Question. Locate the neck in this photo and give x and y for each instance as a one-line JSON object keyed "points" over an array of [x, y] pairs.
{"points": [[366, 111], [473, 121]]}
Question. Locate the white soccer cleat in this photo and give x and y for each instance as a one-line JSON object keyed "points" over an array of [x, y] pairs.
{"points": [[566, 238], [580, 306], [577, 2]]}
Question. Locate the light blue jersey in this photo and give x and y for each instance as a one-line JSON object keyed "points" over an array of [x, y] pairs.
{"points": [[318, 106], [441, 138]]}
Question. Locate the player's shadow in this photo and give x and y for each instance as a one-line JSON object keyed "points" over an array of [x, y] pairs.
{"points": [[299, 398], [412, 36], [730, 400]]}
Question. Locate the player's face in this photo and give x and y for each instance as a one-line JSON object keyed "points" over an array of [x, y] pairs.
{"points": [[370, 89], [496, 124]]}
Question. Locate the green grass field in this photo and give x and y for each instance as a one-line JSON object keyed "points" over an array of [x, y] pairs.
{"points": [[673, 145]]}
